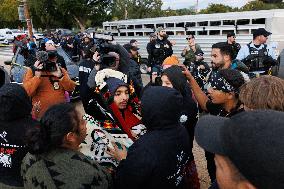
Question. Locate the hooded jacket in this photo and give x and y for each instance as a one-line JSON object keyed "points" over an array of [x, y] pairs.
{"points": [[15, 119], [158, 158], [189, 107]]}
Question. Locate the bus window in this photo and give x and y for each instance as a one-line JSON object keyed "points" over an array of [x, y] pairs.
{"points": [[180, 32], [225, 32], [122, 34], [170, 33], [160, 25], [243, 22], [258, 21], [139, 33], [170, 25], [202, 32], [243, 31], [190, 24], [190, 32], [181, 24], [130, 33], [147, 33], [214, 32], [138, 26], [149, 26], [203, 23], [228, 22], [215, 23]]}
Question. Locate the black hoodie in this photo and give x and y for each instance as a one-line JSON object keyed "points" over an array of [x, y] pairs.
{"points": [[157, 159], [190, 110], [15, 119]]}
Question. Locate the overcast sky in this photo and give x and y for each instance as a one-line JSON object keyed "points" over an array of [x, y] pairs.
{"points": [[178, 4]]}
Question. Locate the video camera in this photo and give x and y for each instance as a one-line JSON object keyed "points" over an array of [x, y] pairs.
{"points": [[103, 48], [44, 58]]}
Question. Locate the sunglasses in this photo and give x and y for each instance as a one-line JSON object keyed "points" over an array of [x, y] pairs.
{"points": [[188, 38]]}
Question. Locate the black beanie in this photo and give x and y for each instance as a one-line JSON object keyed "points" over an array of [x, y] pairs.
{"points": [[15, 102]]}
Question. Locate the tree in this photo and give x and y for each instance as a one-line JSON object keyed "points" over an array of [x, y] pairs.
{"points": [[45, 14], [69, 13], [258, 5], [217, 8], [84, 11], [9, 13], [133, 9], [271, 1], [189, 11]]}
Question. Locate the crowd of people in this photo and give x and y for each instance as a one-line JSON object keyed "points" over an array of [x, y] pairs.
{"points": [[131, 135]]}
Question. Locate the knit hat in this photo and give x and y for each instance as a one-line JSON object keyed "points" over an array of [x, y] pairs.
{"points": [[114, 83], [15, 102], [176, 77], [171, 60], [159, 29], [152, 35]]}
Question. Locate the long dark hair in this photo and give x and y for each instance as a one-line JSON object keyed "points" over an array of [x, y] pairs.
{"points": [[57, 121]]}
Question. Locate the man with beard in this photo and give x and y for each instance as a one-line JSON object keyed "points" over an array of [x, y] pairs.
{"points": [[222, 87], [159, 50]]}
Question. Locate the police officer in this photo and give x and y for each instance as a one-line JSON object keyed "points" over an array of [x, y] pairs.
{"points": [[257, 55], [159, 50], [231, 40]]}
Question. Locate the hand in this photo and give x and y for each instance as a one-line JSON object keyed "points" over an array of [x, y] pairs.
{"points": [[154, 76], [202, 67], [36, 109], [185, 71], [38, 65], [116, 153], [58, 72], [96, 56], [134, 135], [71, 46], [173, 42]]}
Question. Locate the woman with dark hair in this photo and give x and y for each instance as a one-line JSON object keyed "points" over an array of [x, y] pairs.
{"points": [[54, 160]]}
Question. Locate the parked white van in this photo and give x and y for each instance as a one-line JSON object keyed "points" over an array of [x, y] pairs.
{"points": [[8, 34]]}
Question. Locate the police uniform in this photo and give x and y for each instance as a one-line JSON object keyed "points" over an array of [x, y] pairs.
{"points": [[257, 58]]}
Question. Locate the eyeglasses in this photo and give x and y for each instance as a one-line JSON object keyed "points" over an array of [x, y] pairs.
{"points": [[188, 38]]}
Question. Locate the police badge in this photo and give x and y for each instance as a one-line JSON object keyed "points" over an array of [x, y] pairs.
{"points": [[56, 85]]}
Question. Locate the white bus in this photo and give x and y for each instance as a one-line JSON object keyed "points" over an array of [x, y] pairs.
{"points": [[208, 29]]}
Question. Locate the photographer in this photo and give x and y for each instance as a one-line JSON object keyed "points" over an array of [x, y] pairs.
{"points": [[50, 48], [46, 83]]}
